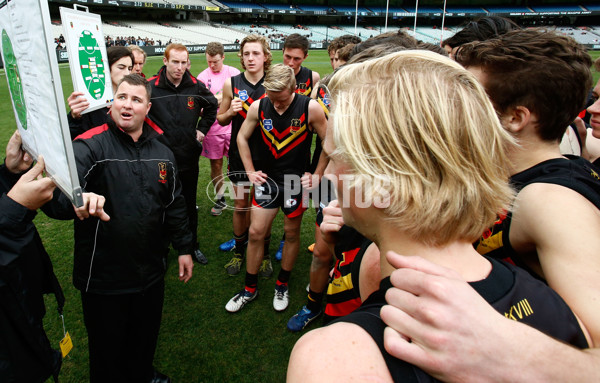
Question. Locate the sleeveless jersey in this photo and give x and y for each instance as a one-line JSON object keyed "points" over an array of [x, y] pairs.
{"points": [[324, 101], [304, 83], [285, 138], [343, 295], [248, 93], [574, 173], [510, 290]]}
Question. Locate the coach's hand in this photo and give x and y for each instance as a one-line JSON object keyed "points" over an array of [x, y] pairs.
{"points": [[186, 265], [93, 205]]}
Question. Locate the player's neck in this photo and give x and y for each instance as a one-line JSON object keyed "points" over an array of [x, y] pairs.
{"points": [[459, 256], [530, 153], [297, 70], [254, 77]]}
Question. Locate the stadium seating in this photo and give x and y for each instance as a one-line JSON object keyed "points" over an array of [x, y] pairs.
{"points": [[556, 8], [492, 9], [475, 10]]}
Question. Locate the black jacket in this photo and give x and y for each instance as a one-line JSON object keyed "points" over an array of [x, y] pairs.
{"points": [[25, 275], [139, 181], [87, 121], [177, 110]]}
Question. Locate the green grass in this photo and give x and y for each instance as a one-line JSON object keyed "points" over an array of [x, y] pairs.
{"points": [[199, 340]]}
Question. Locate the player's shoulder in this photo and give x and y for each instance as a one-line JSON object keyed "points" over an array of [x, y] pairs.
{"points": [[232, 71]]}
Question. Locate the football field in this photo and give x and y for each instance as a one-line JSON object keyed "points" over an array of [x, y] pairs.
{"points": [[199, 340]]}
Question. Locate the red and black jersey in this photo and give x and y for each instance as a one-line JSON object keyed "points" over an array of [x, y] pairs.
{"points": [[323, 99], [247, 92], [510, 290], [285, 138], [304, 80], [343, 292]]}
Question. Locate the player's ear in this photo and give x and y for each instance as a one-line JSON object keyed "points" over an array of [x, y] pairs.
{"points": [[148, 110], [165, 61], [515, 118]]}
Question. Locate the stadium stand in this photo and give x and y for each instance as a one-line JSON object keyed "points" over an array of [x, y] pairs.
{"points": [[495, 10], [467, 10], [242, 6], [556, 8], [390, 10], [319, 9]]}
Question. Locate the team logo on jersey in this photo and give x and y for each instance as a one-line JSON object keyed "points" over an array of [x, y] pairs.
{"points": [[593, 173], [162, 172], [190, 103], [268, 124], [243, 95], [302, 86], [291, 202], [326, 100], [295, 126]]}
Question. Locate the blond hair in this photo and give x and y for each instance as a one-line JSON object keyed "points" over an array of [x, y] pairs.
{"points": [[135, 48], [423, 124], [279, 78], [254, 38]]}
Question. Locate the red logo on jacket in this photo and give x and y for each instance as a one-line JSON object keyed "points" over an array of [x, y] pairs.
{"points": [[190, 103], [162, 172]]}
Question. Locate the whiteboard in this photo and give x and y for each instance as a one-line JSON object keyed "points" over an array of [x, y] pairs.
{"points": [[35, 90], [87, 57]]}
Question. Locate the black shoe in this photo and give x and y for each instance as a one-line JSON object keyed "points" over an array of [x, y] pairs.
{"points": [[199, 257], [160, 378]]}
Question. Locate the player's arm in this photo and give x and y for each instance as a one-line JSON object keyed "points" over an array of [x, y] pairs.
{"points": [[248, 127], [562, 226], [318, 123], [474, 345], [226, 111], [315, 80]]}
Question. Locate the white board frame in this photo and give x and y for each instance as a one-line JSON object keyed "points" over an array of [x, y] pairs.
{"points": [[46, 133], [85, 19]]}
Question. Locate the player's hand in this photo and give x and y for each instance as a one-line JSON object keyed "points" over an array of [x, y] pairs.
{"points": [[186, 265], [236, 106], [93, 206], [199, 136], [17, 160], [332, 222], [309, 181], [257, 177], [32, 190], [77, 104]]}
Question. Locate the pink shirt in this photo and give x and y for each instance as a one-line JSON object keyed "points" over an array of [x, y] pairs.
{"points": [[214, 82]]}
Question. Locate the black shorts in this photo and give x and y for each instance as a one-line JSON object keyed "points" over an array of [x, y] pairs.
{"points": [[274, 195], [235, 170]]}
